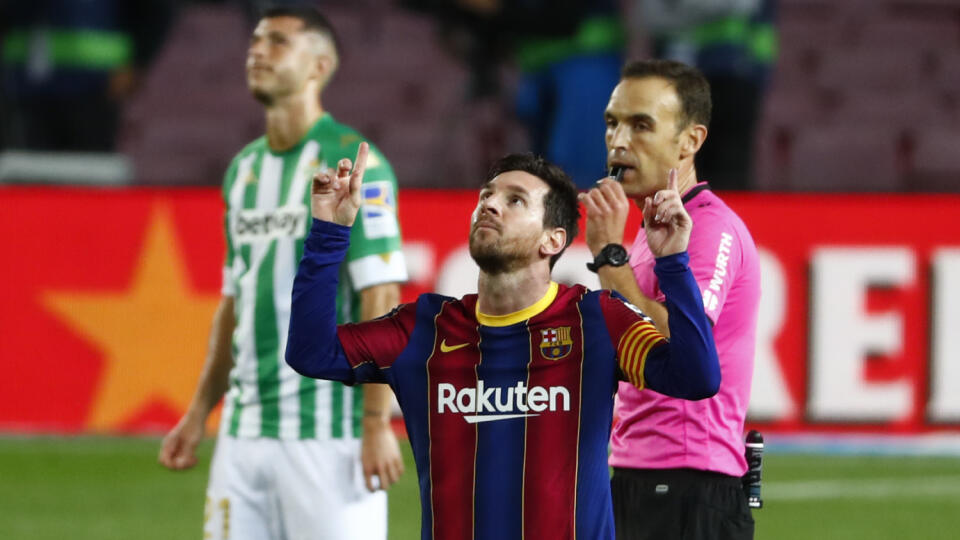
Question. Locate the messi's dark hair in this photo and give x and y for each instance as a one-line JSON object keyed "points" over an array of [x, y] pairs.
{"points": [[691, 86], [560, 205]]}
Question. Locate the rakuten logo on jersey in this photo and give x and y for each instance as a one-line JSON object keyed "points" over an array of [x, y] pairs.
{"points": [[248, 226], [482, 404]]}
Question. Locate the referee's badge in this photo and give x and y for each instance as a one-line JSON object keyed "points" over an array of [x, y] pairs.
{"points": [[556, 342]]}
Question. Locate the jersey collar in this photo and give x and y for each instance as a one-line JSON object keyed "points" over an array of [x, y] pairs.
{"points": [[694, 191], [523, 314], [313, 133]]}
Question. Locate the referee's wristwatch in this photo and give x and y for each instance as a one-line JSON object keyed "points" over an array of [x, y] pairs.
{"points": [[611, 254]]}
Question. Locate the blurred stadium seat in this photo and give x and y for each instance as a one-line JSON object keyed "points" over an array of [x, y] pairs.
{"points": [[890, 70], [795, 107], [948, 71], [844, 158], [935, 166], [924, 33], [915, 109], [194, 112], [857, 87], [395, 85]]}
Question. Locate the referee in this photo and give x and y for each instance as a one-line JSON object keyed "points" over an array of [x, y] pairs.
{"points": [[677, 464]]}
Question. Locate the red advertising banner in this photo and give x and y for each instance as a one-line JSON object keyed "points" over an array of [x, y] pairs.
{"points": [[108, 296]]}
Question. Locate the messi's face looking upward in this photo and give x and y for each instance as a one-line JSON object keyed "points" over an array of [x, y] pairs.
{"points": [[506, 230]]}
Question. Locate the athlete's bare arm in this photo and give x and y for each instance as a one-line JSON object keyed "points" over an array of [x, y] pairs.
{"points": [[380, 454], [178, 450], [622, 280]]}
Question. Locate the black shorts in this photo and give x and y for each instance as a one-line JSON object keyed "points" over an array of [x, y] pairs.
{"points": [[680, 504]]}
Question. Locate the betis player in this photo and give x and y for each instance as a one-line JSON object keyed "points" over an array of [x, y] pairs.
{"points": [[296, 457], [508, 393]]}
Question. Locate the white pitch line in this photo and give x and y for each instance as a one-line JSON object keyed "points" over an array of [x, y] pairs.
{"points": [[874, 488]]}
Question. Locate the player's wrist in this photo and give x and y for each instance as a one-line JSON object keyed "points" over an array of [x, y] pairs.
{"points": [[195, 416], [610, 255], [376, 418], [375, 427], [596, 245]]}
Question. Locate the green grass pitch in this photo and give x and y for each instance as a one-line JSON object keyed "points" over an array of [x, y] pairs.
{"points": [[112, 488]]}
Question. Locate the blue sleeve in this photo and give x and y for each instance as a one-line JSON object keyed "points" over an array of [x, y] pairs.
{"points": [[313, 349], [687, 366]]}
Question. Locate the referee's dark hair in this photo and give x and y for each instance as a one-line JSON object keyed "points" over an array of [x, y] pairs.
{"points": [[691, 86], [560, 205]]}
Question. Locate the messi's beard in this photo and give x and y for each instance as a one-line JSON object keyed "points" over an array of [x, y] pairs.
{"points": [[496, 258]]}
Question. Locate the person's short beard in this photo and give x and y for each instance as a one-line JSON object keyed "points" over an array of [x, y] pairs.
{"points": [[494, 259], [263, 97]]}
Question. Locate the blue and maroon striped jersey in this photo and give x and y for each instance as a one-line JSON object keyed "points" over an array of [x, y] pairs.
{"points": [[509, 416]]}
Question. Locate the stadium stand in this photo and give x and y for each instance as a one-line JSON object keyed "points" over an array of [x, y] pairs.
{"points": [[858, 85], [194, 111], [844, 158], [857, 89], [934, 161]]}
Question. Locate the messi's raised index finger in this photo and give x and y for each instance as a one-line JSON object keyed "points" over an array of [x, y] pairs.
{"points": [[360, 166]]}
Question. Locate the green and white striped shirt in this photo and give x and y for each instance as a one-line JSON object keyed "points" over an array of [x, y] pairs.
{"points": [[268, 216]]}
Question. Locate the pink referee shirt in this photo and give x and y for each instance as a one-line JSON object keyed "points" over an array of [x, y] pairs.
{"points": [[652, 431]]}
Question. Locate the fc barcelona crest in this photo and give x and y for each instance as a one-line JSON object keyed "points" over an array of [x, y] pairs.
{"points": [[556, 342]]}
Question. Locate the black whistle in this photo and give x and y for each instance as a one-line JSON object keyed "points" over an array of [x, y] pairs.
{"points": [[617, 173]]}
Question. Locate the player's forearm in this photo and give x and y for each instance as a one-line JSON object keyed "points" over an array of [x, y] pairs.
{"points": [[215, 376], [378, 300], [687, 367], [377, 398], [313, 349], [622, 280], [377, 401]]}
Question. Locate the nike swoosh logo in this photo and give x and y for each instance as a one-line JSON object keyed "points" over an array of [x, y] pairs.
{"points": [[494, 417], [449, 348]]}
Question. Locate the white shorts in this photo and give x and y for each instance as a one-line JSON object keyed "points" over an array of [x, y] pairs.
{"points": [[270, 489]]}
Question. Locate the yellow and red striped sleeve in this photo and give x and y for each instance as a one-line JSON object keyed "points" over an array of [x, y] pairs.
{"points": [[634, 346]]}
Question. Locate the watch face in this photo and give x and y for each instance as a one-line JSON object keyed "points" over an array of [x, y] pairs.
{"points": [[616, 254]]}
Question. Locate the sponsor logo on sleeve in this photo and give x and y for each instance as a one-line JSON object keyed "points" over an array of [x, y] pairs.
{"points": [[711, 299], [379, 210]]}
